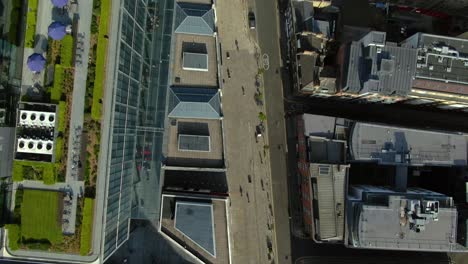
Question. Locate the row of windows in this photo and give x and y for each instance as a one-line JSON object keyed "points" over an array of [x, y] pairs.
{"points": [[134, 59]]}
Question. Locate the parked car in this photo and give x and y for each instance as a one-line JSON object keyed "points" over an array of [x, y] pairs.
{"points": [[252, 23]]}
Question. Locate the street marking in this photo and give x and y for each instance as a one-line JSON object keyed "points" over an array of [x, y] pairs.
{"points": [[266, 61]]}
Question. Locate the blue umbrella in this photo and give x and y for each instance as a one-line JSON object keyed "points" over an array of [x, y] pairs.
{"points": [[60, 3], [36, 62], [57, 30]]}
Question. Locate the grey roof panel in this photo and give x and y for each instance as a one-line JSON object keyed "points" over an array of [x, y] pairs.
{"points": [[194, 19], [194, 103], [194, 143], [195, 61], [195, 221], [388, 70], [7, 136]]}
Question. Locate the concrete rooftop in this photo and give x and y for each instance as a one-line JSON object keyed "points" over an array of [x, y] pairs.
{"points": [[385, 144], [194, 44], [177, 157], [219, 226]]}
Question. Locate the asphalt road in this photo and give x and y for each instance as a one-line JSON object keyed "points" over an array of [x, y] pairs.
{"points": [[268, 34], [396, 114]]}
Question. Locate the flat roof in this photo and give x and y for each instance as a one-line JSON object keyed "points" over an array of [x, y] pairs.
{"points": [[319, 126], [326, 151], [443, 58], [331, 184], [7, 136], [201, 144], [381, 227], [307, 61], [203, 181], [206, 2], [386, 144], [194, 44], [199, 224], [453, 88]]}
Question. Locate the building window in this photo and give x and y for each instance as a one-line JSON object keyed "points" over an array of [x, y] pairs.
{"points": [[324, 170]]}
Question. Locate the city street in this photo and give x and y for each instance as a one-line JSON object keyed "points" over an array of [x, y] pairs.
{"points": [[252, 224], [268, 31]]}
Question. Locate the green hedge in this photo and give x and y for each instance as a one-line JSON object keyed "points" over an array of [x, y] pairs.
{"points": [[57, 88], [66, 51], [31, 24], [14, 235], [87, 227], [47, 171], [96, 108], [62, 109], [58, 149]]}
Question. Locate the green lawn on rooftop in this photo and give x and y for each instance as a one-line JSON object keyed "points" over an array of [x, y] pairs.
{"points": [[40, 216]]}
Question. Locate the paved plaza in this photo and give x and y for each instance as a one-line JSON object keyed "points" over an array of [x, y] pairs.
{"points": [[252, 226]]}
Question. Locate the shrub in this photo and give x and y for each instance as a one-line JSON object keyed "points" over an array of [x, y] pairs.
{"points": [[58, 149], [17, 209], [62, 109], [87, 226], [18, 171], [94, 25], [96, 6], [262, 116], [31, 24], [48, 174], [43, 245], [57, 88], [66, 51], [45, 171], [14, 235]]}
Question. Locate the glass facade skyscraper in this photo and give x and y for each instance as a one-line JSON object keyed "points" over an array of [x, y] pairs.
{"points": [[137, 120]]}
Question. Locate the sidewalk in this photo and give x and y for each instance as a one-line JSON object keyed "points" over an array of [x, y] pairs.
{"points": [[252, 227]]}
